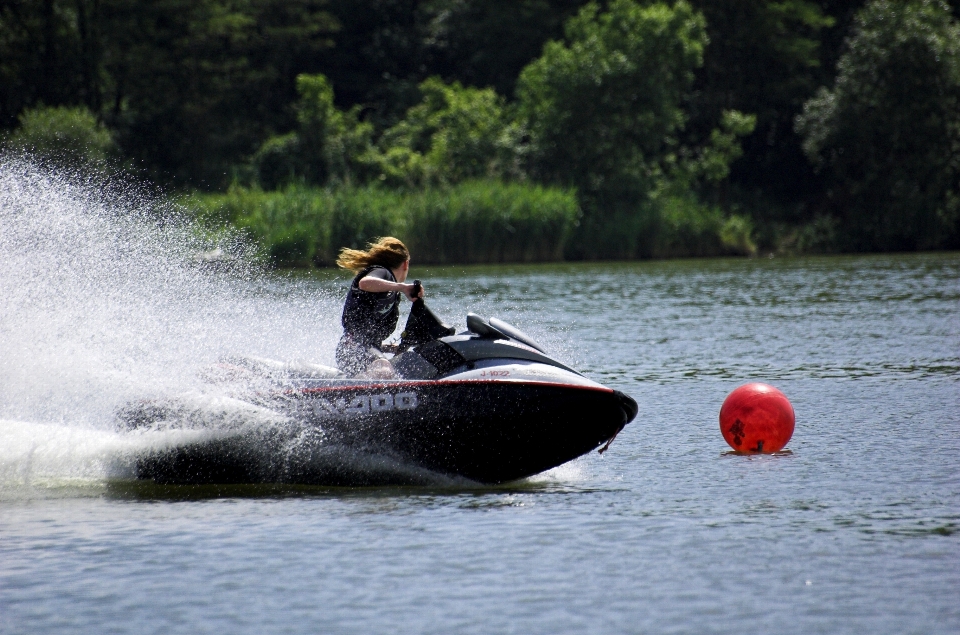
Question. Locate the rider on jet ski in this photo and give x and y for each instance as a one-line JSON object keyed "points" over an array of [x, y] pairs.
{"points": [[372, 307]]}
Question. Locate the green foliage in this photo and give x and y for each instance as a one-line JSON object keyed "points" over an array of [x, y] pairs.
{"points": [[687, 227], [199, 93], [488, 43], [386, 48], [68, 137], [473, 222], [887, 135], [736, 235], [724, 147], [489, 221], [362, 214], [453, 134], [48, 56], [615, 227], [335, 145], [278, 161], [292, 227], [820, 236], [711, 162], [329, 146], [764, 58], [476, 221], [603, 108], [192, 86]]}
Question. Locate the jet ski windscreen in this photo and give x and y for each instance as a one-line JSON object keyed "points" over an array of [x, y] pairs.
{"points": [[514, 333], [480, 326]]}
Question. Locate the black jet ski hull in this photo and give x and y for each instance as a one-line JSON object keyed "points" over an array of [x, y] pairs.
{"points": [[395, 431]]}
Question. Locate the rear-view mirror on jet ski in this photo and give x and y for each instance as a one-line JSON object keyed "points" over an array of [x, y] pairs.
{"points": [[422, 325]]}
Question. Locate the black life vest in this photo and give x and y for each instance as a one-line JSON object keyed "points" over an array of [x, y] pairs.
{"points": [[370, 317]]}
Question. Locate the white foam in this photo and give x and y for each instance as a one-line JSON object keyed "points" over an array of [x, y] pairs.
{"points": [[104, 302]]}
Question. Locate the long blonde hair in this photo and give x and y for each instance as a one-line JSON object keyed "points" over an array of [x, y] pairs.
{"points": [[387, 252]]}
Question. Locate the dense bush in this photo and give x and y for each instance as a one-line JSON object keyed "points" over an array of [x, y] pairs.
{"points": [[66, 137], [192, 90], [689, 228], [453, 134], [203, 93], [334, 143], [766, 57], [887, 135], [278, 162]]}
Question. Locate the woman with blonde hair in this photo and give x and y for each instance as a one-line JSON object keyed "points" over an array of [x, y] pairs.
{"points": [[372, 307]]}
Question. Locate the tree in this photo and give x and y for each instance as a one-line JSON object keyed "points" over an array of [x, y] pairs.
{"points": [[764, 58], [49, 55], [335, 144], [379, 56], [329, 145], [603, 110], [189, 87], [887, 134], [64, 137], [453, 134], [386, 48], [196, 85], [486, 43], [604, 107]]}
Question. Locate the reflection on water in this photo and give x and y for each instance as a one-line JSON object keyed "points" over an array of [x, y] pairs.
{"points": [[853, 529]]}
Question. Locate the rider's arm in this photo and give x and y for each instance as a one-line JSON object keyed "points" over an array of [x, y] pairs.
{"points": [[373, 284]]}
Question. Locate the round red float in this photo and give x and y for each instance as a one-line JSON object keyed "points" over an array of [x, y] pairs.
{"points": [[757, 418]]}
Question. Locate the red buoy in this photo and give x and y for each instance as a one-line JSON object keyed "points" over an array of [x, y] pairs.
{"points": [[757, 418]]}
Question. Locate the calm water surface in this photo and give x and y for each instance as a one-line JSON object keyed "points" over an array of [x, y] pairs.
{"points": [[855, 530]]}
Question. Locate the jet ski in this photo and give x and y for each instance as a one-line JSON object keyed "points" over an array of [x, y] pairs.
{"points": [[486, 405]]}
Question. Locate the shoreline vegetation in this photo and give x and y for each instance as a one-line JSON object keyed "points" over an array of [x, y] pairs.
{"points": [[527, 131], [475, 222]]}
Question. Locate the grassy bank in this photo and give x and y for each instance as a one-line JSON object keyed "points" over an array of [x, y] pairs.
{"points": [[473, 222]]}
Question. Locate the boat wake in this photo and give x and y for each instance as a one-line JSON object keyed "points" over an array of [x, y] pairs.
{"points": [[108, 300], [44, 459], [128, 351]]}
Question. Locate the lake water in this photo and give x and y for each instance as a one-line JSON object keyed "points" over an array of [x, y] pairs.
{"points": [[855, 529]]}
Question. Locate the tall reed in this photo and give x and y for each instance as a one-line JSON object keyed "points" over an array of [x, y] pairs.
{"points": [[473, 222]]}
